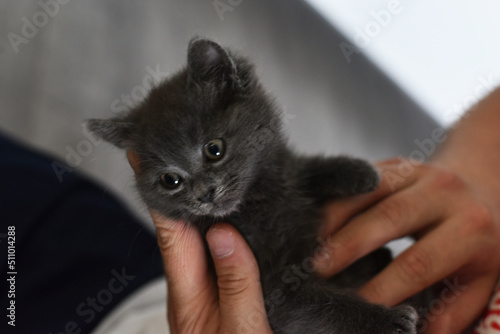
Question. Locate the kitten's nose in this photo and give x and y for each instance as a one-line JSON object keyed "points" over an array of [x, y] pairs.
{"points": [[208, 197]]}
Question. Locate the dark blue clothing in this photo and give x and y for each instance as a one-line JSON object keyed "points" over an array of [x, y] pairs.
{"points": [[78, 251]]}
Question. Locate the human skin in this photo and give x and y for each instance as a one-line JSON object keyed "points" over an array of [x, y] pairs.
{"points": [[450, 205], [197, 302]]}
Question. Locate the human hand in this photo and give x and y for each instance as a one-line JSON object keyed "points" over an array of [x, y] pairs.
{"points": [[197, 302], [457, 236]]}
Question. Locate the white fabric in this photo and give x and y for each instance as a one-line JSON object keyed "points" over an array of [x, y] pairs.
{"points": [[144, 312]]}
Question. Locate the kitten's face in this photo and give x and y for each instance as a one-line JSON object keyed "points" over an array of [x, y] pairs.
{"points": [[201, 136], [201, 165]]}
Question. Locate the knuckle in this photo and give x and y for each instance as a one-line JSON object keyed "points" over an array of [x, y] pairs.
{"points": [[392, 212], [164, 237], [233, 284], [478, 221], [443, 179], [415, 267], [167, 238]]}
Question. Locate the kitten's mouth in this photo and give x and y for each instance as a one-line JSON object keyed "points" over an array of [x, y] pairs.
{"points": [[218, 208]]}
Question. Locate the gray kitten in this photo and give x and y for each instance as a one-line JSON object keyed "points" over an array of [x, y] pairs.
{"points": [[212, 150]]}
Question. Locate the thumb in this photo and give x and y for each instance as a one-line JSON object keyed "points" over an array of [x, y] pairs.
{"points": [[241, 302]]}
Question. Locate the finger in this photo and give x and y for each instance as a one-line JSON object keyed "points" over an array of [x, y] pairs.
{"points": [[183, 252], [240, 293], [429, 260], [458, 305], [393, 179], [402, 214], [190, 284]]}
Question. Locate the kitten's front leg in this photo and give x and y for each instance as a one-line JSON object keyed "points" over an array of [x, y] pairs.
{"points": [[326, 178], [317, 309]]}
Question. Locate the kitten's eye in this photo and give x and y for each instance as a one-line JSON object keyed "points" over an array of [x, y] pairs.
{"points": [[170, 180], [214, 149]]}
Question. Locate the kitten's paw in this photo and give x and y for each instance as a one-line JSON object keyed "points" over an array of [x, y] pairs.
{"points": [[367, 178], [405, 320]]}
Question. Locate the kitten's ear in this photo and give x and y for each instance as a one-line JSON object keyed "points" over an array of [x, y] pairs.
{"points": [[209, 63], [117, 131]]}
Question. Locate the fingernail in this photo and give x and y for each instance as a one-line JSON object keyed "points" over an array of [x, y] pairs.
{"points": [[323, 255], [221, 242], [322, 260]]}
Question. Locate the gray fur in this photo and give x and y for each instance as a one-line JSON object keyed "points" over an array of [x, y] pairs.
{"points": [[270, 194]]}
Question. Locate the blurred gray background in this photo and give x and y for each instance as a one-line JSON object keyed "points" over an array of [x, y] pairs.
{"points": [[83, 57]]}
